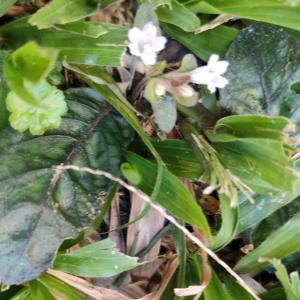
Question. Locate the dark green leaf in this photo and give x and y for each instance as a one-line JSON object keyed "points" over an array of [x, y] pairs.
{"points": [[37, 214], [264, 64], [204, 44], [62, 12], [100, 259]]}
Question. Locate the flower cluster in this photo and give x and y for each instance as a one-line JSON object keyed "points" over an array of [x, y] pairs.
{"points": [[146, 43]]}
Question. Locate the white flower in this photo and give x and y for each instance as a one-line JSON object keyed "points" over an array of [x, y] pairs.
{"points": [[146, 43], [210, 75]]}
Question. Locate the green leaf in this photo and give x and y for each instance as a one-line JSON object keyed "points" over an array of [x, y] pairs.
{"points": [[178, 15], [279, 244], [105, 50], [173, 195], [255, 126], [276, 12], [37, 213], [203, 45], [99, 259], [179, 158], [39, 291], [264, 64], [62, 12], [165, 112], [4, 6], [256, 156], [83, 28], [34, 104], [59, 288], [230, 222]]}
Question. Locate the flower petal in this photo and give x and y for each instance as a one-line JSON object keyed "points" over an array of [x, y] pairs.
{"points": [[150, 30], [148, 58], [213, 59], [200, 75], [159, 43], [134, 35]]}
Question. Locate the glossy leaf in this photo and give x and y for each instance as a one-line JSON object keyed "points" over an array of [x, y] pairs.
{"points": [[203, 45], [173, 195], [270, 11], [34, 104], [36, 213], [62, 12], [178, 15], [100, 259], [105, 50], [263, 65]]}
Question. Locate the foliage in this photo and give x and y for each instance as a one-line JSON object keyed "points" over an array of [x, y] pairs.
{"points": [[92, 87]]}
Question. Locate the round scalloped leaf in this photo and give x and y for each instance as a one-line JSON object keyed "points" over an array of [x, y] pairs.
{"points": [[37, 213], [264, 64]]}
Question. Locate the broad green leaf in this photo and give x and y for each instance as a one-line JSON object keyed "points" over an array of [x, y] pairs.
{"points": [[100, 259], [206, 43], [59, 288], [179, 16], [105, 50], [278, 12], [4, 6], [279, 244], [179, 158], [62, 12], [165, 112], [34, 104], [83, 28], [173, 195], [264, 64], [37, 213], [256, 156], [255, 126]]}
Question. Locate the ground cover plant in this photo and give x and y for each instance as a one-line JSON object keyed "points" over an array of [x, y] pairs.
{"points": [[149, 149]]}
